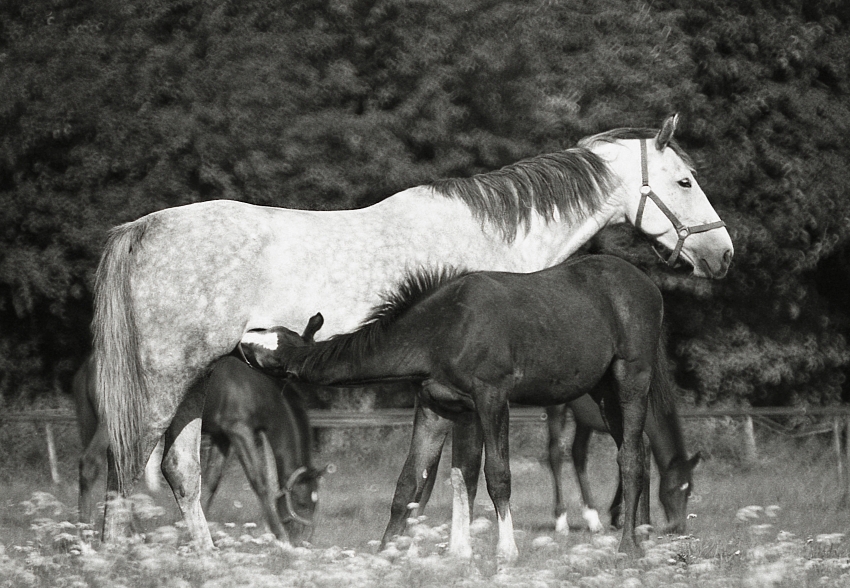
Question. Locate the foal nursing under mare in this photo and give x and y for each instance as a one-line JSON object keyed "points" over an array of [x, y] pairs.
{"points": [[170, 299], [263, 418], [591, 325]]}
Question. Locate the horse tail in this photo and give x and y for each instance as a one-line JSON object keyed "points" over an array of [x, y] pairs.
{"points": [[662, 387], [121, 392]]}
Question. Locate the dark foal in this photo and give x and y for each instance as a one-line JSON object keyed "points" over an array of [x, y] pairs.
{"points": [[261, 417], [484, 339]]}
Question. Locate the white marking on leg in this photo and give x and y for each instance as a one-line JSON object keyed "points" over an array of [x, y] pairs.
{"points": [[460, 543], [264, 339], [152, 469], [592, 517], [507, 549], [562, 526]]}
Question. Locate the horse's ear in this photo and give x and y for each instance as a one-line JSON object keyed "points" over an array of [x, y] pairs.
{"points": [[314, 324], [694, 461], [662, 139]]}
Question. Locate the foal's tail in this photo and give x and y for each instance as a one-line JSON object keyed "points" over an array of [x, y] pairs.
{"points": [[121, 392]]}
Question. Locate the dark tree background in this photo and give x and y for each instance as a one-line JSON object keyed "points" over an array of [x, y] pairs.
{"points": [[110, 109]]}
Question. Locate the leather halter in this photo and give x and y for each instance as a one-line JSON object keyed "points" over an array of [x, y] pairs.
{"points": [[681, 230]]}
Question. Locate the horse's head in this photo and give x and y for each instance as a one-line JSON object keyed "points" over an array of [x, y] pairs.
{"points": [[661, 197], [298, 499], [260, 347], [674, 489]]}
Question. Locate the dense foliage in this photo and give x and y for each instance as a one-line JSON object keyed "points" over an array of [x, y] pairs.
{"points": [[111, 109]]}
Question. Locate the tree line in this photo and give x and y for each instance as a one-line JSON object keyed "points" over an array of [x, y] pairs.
{"points": [[112, 109]]}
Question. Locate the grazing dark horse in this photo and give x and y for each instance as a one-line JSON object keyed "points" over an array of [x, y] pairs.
{"points": [[664, 432], [675, 468], [479, 341], [170, 300], [261, 417]]}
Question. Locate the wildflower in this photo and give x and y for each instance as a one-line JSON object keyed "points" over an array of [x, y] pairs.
{"points": [[830, 538], [749, 512], [772, 510]]}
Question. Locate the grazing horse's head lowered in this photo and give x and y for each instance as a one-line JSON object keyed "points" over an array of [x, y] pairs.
{"points": [[675, 487]]}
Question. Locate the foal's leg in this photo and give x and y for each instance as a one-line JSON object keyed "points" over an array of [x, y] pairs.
{"points": [[616, 509], [495, 425], [212, 468], [429, 434], [579, 451], [626, 419], [181, 465], [556, 419], [467, 441]]}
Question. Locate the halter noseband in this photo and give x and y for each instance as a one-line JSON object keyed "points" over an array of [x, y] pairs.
{"points": [[681, 230], [287, 495]]}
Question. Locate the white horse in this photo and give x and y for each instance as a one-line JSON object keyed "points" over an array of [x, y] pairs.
{"points": [[178, 288]]}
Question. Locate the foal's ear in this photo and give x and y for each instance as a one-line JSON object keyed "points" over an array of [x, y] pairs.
{"points": [[694, 461], [314, 324], [662, 139]]}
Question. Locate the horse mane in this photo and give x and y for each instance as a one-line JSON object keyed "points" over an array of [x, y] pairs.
{"points": [[570, 183], [628, 133], [413, 288]]}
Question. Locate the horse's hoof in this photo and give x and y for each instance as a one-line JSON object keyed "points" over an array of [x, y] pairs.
{"points": [[561, 525]]}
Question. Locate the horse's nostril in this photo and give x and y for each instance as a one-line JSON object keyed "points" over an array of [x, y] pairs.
{"points": [[727, 256]]}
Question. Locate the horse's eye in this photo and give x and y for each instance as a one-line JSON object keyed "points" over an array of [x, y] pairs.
{"points": [[685, 183]]}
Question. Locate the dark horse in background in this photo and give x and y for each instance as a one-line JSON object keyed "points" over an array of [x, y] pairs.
{"points": [[477, 342], [263, 418], [675, 468]]}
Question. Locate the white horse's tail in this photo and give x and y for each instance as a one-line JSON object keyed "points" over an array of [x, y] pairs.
{"points": [[121, 392]]}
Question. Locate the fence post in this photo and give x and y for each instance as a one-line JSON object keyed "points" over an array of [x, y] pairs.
{"points": [[750, 451], [845, 486], [51, 453]]}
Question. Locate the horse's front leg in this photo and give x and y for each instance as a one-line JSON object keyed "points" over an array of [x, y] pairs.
{"points": [[467, 441], [429, 434], [181, 465], [494, 417], [212, 468]]}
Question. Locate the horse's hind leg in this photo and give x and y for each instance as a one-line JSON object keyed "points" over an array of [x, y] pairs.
{"points": [[91, 466], [494, 417], [616, 509], [181, 465], [626, 415], [467, 442], [556, 418], [429, 434]]}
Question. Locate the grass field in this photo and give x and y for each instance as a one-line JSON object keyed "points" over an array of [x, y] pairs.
{"points": [[792, 535]]}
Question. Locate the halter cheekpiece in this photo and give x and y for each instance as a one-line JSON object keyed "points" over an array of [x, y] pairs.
{"points": [[681, 230]]}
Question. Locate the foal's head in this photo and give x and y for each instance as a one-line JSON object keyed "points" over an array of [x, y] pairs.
{"points": [[260, 346]]}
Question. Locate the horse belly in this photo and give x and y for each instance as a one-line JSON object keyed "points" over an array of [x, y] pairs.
{"points": [[563, 378]]}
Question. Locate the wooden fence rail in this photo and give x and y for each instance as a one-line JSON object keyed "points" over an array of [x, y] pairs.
{"points": [[837, 420]]}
